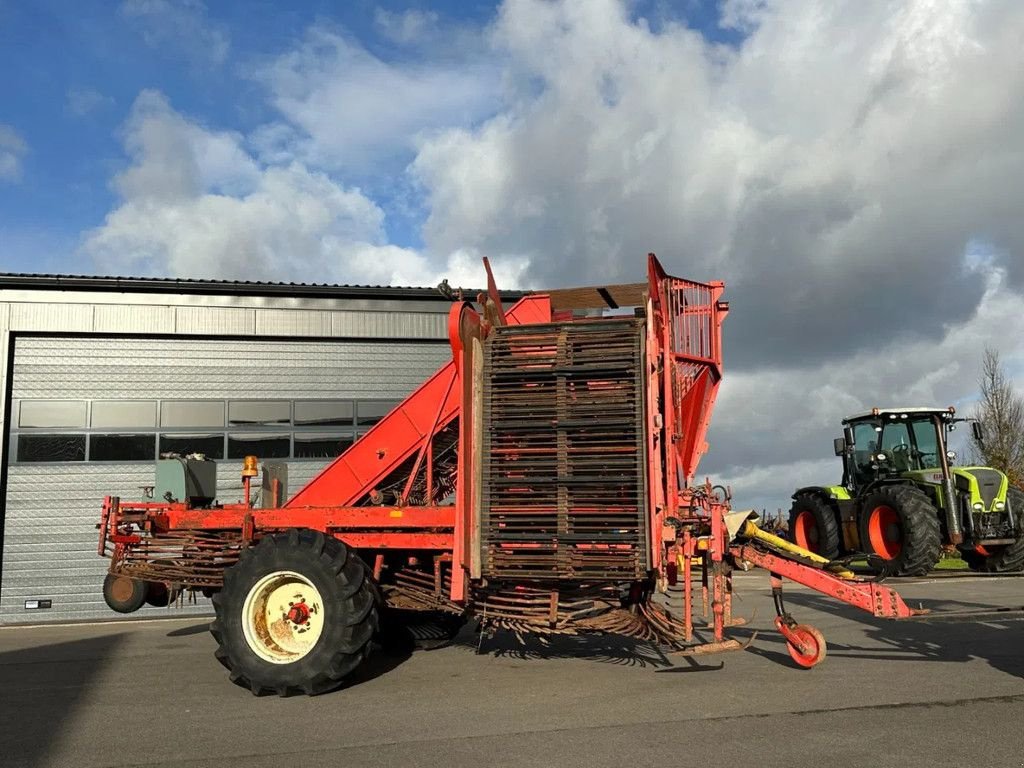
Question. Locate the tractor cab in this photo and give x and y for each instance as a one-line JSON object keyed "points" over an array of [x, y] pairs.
{"points": [[890, 443]]}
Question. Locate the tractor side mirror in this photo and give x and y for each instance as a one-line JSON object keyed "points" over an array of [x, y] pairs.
{"points": [[839, 446], [977, 431], [848, 437]]}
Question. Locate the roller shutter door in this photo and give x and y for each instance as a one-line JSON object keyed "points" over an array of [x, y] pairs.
{"points": [[49, 534]]}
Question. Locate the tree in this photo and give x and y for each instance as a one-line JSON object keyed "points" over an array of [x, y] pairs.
{"points": [[1001, 413]]}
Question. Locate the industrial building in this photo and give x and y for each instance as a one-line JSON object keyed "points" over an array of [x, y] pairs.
{"points": [[101, 375]]}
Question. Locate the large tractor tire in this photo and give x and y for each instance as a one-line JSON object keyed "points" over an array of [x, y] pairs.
{"points": [[900, 527], [1007, 558], [297, 613], [814, 524]]}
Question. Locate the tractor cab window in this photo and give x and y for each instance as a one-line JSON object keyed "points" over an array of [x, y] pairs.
{"points": [[897, 447], [926, 443], [866, 446]]}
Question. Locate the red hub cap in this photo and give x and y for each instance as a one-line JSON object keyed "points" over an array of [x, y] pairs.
{"points": [[298, 613], [885, 534]]}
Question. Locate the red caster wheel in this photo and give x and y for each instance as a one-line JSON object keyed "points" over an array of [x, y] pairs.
{"points": [[806, 645]]}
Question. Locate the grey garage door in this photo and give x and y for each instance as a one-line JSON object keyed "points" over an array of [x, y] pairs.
{"points": [[88, 416]]}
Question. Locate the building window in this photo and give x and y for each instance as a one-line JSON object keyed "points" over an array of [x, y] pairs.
{"points": [[52, 413], [265, 446], [320, 446], [125, 447], [192, 413], [139, 430], [37, 447], [212, 446], [369, 412], [259, 412], [124, 414], [324, 413]]}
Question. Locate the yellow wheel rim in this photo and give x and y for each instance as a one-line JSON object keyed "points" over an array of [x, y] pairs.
{"points": [[282, 617]]}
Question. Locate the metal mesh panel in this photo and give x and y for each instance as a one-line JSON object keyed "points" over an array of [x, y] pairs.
{"points": [[563, 452]]}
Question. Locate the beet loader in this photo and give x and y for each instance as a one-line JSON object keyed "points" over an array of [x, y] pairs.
{"points": [[542, 482]]}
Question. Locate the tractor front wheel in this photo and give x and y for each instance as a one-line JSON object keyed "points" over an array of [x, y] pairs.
{"points": [[814, 524], [1007, 558], [297, 613], [899, 526]]}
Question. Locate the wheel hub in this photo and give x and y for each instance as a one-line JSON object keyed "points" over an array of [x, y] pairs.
{"points": [[122, 589], [298, 614]]}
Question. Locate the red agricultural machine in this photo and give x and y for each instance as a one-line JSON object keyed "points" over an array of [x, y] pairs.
{"points": [[542, 482]]}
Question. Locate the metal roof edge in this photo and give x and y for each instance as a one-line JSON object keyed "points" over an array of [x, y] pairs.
{"points": [[117, 284]]}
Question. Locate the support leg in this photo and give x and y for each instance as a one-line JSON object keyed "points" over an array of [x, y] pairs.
{"points": [[687, 586]]}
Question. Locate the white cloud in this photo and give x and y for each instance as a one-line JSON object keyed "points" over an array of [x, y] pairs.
{"points": [[840, 158], [195, 203], [182, 25], [407, 26], [83, 101], [13, 149], [347, 109]]}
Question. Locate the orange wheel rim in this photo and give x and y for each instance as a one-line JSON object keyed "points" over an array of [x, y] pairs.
{"points": [[885, 534], [805, 531]]}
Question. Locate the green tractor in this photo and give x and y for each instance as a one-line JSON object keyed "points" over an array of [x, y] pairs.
{"points": [[902, 502]]}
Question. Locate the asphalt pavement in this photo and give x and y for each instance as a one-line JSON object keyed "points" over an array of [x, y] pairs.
{"points": [[889, 694]]}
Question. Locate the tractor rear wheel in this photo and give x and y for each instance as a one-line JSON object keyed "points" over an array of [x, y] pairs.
{"points": [[814, 524], [900, 527], [1007, 558], [297, 613]]}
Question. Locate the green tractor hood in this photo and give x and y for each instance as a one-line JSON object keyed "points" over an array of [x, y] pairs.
{"points": [[984, 487]]}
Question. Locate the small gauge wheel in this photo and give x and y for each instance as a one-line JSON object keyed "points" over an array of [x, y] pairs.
{"points": [[806, 645]]}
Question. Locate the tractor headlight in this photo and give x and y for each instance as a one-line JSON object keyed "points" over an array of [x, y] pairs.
{"points": [[978, 506], [999, 506]]}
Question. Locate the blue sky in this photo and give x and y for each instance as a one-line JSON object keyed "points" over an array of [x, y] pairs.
{"points": [[74, 69]]}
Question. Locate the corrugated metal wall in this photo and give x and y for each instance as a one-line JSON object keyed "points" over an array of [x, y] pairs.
{"points": [[52, 509]]}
